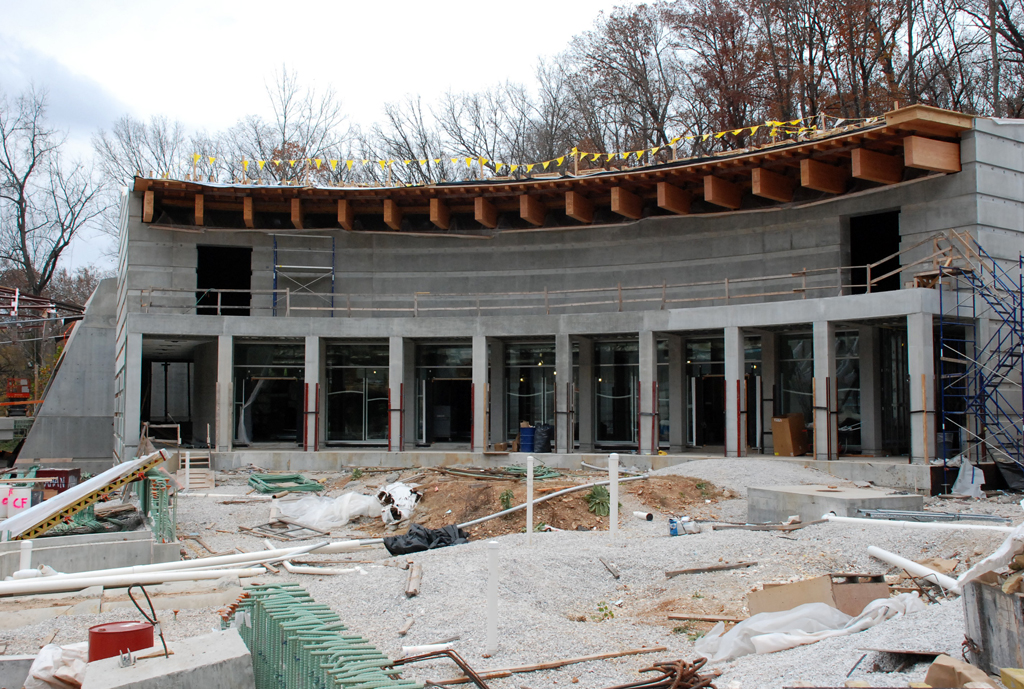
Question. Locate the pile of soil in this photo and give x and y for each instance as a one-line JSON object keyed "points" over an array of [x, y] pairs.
{"points": [[673, 495]]}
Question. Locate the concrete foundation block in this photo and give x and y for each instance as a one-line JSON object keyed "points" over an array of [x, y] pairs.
{"points": [[14, 671], [778, 503], [215, 660]]}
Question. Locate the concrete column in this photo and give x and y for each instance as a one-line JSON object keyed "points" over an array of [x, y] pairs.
{"points": [[870, 387], [585, 412], [498, 398], [312, 379], [563, 388], [224, 418], [132, 395], [921, 367], [826, 440], [408, 404], [396, 381], [479, 435], [769, 369], [735, 438], [648, 384], [678, 418]]}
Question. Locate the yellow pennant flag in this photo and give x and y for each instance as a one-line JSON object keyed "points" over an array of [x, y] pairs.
{"points": [[276, 162], [705, 137], [245, 165], [422, 161], [212, 159], [545, 164], [455, 160], [737, 132], [673, 141], [774, 131], [640, 154], [753, 130], [513, 168], [366, 161], [719, 135], [383, 164], [318, 161], [333, 163], [469, 162], [529, 168], [308, 161], [655, 150], [348, 163], [292, 163], [196, 157], [484, 161], [597, 156], [498, 167], [437, 161], [574, 150], [558, 163], [260, 164], [406, 162], [690, 137]]}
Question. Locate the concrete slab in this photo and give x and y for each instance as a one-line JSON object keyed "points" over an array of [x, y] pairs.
{"points": [[14, 671], [778, 503], [214, 660]]}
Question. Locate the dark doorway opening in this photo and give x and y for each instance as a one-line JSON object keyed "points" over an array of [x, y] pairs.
{"points": [[709, 421], [450, 417], [223, 268], [895, 391], [872, 238]]}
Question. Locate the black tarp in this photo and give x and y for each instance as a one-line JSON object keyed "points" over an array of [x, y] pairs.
{"points": [[542, 437], [420, 538]]}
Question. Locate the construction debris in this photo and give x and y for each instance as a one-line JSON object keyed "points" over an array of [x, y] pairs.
{"points": [[505, 672], [284, 529], [711, 568], [283, 483], [849, 593], [412, 586]]}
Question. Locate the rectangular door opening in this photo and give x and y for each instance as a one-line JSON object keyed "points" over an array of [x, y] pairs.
{"points": [[223, 268], [873, 238]]}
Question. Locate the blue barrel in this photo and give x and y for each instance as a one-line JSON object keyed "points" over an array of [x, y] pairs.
{"points": [[526, 438]]}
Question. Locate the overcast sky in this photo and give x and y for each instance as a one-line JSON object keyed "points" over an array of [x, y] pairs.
{"points": [[206, 63]]}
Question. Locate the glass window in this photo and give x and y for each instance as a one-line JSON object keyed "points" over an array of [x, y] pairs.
{"points": [[796, 373], [269, 381], [848, 390], [529, 385], [357, 392]]}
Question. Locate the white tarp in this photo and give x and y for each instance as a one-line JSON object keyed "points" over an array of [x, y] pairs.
{"points": [[329, 513], [968, 481], [768, 632], [1010, 548], [58, 667], [397, 502]]}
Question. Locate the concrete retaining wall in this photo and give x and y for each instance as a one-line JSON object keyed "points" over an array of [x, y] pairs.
{"points": [[91, 551]]}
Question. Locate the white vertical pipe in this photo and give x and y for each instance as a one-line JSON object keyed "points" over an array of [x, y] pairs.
{"points": [[492, 597], [613, 495], [529, 500], [26, 555]]}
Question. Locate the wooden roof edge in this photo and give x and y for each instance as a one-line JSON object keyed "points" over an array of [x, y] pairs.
{"points": [[919, 113]]}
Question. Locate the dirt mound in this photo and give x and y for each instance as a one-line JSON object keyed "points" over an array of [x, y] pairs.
{"points": [[673, 494]]}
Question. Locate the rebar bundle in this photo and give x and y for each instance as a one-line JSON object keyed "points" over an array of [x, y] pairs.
{"points": [[297, 643], [677, 674]]}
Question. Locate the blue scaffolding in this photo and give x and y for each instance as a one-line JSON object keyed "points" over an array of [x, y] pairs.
{"points": [[304, 265]]}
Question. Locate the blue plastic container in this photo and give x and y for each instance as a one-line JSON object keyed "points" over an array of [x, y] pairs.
{"points": [[526, 438], [673, 526]]}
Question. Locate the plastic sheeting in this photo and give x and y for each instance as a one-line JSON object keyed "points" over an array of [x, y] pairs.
{"points": [[1011, 547], [420, 538], [329, 513], [968, 481], [59, 667], [805, 624], [397, 502]]}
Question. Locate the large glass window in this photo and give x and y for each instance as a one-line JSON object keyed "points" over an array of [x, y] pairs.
{"points": [[268, 392], [848, 390], [616, 373], [357, 392], [530, 385], [796, 373], [705, 398], [444, 391]]}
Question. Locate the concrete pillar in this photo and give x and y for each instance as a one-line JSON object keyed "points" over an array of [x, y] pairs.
{"points": [[826, 434], [396, 390], [648, 385], [132, 395], [769, 369], [312, 381], [585, 412], [224, 418], [870, 387], [479, 434], [498, 397], [735, 438], [678, 418], [921, 369], [408, 388], [563, 390]]}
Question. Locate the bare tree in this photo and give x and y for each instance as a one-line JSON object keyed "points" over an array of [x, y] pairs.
{"points": [[133, 147]]}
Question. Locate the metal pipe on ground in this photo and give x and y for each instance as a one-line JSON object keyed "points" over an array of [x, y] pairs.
{"points": [[916, 525], [52, 585]]}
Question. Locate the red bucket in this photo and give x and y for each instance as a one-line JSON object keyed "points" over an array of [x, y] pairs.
{"points": [[114, 638]]}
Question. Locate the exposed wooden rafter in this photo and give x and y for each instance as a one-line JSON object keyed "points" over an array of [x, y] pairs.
{"points": [[771, 185], [440, 215]]}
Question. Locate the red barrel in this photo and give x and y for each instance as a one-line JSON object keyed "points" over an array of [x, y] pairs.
{"points": [[114, 638]]}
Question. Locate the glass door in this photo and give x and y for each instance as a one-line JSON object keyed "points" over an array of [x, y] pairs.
{"points": [[357, 393]]}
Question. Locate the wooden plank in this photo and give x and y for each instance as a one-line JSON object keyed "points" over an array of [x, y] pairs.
{"points": [[876, 167], [485, 212], [920, 117], [766, 527], [297, 214], [148, 199], [627, 204], [674, 199], [706, 618], [346, 214], [579, 207], [392, 215], [531, 210], [506, 671], [440, 214], [199, 210], [771, 185], [721, 192], [820, 176], [612, 569], [712, 568], [929, 154], [247, 214]]}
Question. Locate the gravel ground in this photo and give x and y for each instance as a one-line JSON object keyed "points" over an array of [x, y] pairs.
{"points": [[552, 594]]}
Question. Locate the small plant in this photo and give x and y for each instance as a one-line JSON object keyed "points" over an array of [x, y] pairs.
{"points": [[598, 500], [697, 594], [357, 474], [691, 634], [604, 612], [506, 499], [540, 526], [703, 488]]}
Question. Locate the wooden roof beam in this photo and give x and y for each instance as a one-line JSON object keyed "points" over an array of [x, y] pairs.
{"points": [[247, 213], [876, 167], [440, 214], [722, 193], [485, 212], [532, 210], [579, 207], [392, 215], [148, 202], [929, 154], [627, 204], [298, 215], [346, 214], [820, 176], [674, 199], [199, 210], [771, 185]]}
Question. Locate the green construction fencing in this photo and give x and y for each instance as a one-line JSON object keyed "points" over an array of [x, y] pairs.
{"points": [[297, 643]]}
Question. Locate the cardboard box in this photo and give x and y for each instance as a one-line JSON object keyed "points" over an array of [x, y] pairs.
{"points": [[846, 592], [789, 437]]}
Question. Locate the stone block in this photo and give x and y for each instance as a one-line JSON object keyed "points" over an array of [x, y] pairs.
{"points": [[778, 503], [214, 660]]}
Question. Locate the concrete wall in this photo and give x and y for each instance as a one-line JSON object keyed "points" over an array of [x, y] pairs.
{"points": [[90, 551], [76, 420]]}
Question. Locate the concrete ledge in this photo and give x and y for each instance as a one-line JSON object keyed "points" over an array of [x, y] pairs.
{"points": [[90, 551], [890, 473], [778, 503], [14, 671]]}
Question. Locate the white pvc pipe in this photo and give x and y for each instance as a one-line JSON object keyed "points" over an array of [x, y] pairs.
{"points": [[26, 555], [915, 569], [420, 650], [917, 525], [646, 516], [529, 500], [301, 569], [613, 495], [236, 496], [492, 598], [54, 585]]}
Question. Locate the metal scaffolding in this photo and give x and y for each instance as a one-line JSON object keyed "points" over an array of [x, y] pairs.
{"points": [[303, 263]]}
